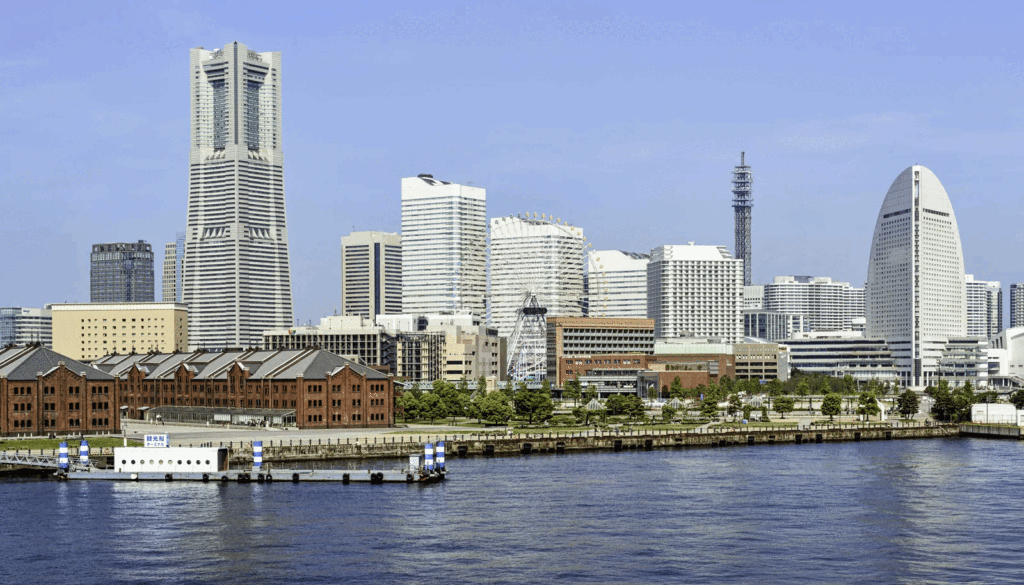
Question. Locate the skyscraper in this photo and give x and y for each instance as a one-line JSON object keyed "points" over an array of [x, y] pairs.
{"points": [[237, 281], [695, 291], [24, 325], [444, 241], [984, 307], [121, 273], [743, 206], [617, 284], [174, 254], [916, 297], [371, 274], [825, 304], [1017, 304]]}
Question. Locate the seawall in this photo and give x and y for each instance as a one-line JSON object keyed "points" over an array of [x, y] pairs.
{"points": [[467, 445]]}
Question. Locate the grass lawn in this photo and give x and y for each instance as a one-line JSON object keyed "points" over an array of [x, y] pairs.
{"points": [[94, 443]]}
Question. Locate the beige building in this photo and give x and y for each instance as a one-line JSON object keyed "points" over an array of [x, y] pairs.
{"points": [[87, 331]]}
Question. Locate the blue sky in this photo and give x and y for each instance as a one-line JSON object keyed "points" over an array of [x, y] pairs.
{"points": [[623, 118]]}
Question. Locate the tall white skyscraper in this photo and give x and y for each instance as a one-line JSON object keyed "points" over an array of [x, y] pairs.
{"points": [[826, 305], [371, 274], [535, 257], [174, 254], [984, 307], [695, 291], [916, 297], [444, 246], [237, 281], [617, 284], [1017, 304]]}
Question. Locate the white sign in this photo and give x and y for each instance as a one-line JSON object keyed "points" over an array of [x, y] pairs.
{"points": [[157, 441]]}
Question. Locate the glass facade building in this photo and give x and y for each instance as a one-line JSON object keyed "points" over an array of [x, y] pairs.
{"points": [[121, 273]]}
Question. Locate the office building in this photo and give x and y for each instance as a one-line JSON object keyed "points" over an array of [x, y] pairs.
{"points": [[236, 280], [25, 326], [1017, 304], [826, 305], [121, 273], [354, 337], [695, 291], [88, 331], [772, 325], [593, 336], [916, 295], [617, 284], [174, 255], [842, 353], [753, 297], [445, 347], [984, 307], [371, 274], [444, 246]]}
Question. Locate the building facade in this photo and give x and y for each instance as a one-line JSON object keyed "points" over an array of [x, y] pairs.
{"points": [[593, 336], [1017, 304], [352, 337], [772, 325], [695, 291], [444, 244], [446, 347], [617, 284], [984, 307], [26, 326], [371, 274], [121, 273], [43, 392], [174, 255], [324, 390], [826, 305], [916, 294], [86, 331], [843, 353], [237, 279]]}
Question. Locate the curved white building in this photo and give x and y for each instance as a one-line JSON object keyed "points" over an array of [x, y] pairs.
{"points": [[916, 294]]}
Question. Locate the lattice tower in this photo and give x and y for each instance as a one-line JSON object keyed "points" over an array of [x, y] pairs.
{"points": [[742, 205]]}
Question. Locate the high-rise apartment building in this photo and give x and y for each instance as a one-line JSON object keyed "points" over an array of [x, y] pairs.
{"points": [[825, 304], [772, 325], [371, 274], [174, 254], [237, 280], [617, 284], [984, 307], [24, 326], [444, 245], [1017, 304], [121, 273], [916, 297], [695, 291]]}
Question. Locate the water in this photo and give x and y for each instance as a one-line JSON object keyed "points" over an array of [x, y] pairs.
{"points": [[946, 510]]}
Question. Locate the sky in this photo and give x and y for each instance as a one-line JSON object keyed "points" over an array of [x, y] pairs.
{"points": [[625, 119]]}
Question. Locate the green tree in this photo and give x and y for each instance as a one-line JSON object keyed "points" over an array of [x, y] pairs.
{"points": [[727, 384], [943, 407], [507, 390], [764, 414], [849, 385], [908, 403], [481, 385], [572, 390], [590, 393], [616, 404], [1017, 399], [677, 388], [803, 390], [494, 408], [747, 410], [709, 408], [409, 404], [735, 404], [784, 404], [774, 387], [463, 386], [963, 397], [634, 406], [667, 413], [832, 405], [534, 404], [432, 407], [868, 405]]}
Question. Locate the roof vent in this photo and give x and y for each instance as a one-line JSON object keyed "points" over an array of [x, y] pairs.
{"points": [[425, 176], [60, 364]]}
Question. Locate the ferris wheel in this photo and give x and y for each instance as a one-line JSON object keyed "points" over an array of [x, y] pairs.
{"points": [[538, 269]]}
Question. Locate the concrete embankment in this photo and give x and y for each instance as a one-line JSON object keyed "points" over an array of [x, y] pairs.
{"points": [[466, 445], [992, 431]]}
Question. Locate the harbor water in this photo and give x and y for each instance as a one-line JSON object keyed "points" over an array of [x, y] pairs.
{"points": [[939, 510]]}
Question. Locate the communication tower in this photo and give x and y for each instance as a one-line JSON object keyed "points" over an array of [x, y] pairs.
{"points": [[742, 204]]}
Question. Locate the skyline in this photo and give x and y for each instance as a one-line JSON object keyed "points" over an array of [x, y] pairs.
{"points": [[582, 112]]}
